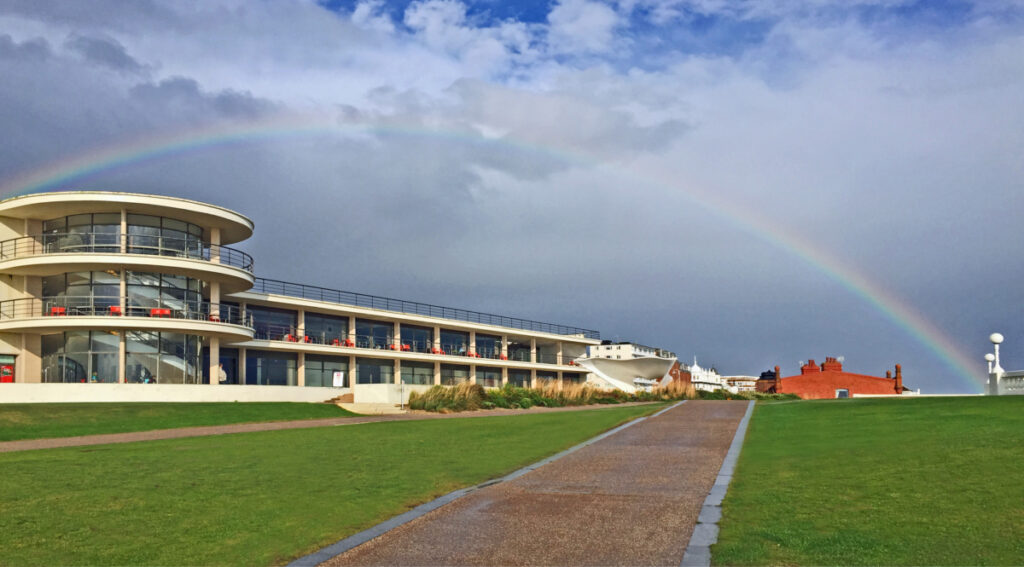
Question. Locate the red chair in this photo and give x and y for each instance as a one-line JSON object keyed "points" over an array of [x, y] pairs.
{"points": [[503, 357], [115, 309], [349, 343], [159, 312], [335, 342], [307, 339], [406, 348], [58, 311], [392, 347], [291, 338], [214, 317]]}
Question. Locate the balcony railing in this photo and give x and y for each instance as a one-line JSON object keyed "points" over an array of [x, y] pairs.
{"points": [[278, 287], [14, 309], [102, 243]]}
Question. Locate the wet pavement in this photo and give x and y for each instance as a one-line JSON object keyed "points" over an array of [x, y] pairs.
{"points": [[629, 499]]}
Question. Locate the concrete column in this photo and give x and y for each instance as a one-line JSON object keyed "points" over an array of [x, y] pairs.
{"points": [[398, 371], [124, 230], [123, 292], [351, 371], [301, 370], [472, 341], [122, 349], [472, 374], [437, 338], [437, 373], [300, 324], [241, 365], [533, 378], [559, 356], [504, 376], [504, 346], [214, 360], [28, 367], [533, 351], [398, 337], [560, 383]]}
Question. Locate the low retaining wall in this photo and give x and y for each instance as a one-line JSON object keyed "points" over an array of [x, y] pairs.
{"points": [[391, 394], [19, 393]]}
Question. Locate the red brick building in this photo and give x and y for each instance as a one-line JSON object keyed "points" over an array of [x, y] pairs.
{"points": [[830, 381]]}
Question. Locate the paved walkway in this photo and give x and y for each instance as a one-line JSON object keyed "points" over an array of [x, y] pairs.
{"points": [[629, 499], [84, 440]]}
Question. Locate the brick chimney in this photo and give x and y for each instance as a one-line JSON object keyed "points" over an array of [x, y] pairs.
{"points": [[831, 364], [809, 367], [778, 381], [888, 374], [899, 379]]}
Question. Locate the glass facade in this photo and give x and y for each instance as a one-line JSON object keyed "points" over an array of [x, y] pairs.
{"points": [[80, 356], [454, 342], [418, 339], [374, 371], [265, 368], [83, 233], [273, 324], [162, 358], [325, 329], [519, 351], [520, 378], [488, 346], [417, 372], [96, 292], [543, 377], [228, 360], [488, 377], [374, 334], [452, 374], [320, 370], [100, 232], [572, 377]]}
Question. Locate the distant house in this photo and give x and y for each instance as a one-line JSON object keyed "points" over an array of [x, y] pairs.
{"points": [[829, 380], [742, 383]]}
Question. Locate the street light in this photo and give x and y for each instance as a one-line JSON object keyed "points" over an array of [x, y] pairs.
{"points": [[989, 358], [996, 340]]}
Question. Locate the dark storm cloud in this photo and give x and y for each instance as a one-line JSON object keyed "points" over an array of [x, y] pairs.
{"points": [[104, 51], [32, 50], [185, 94]]}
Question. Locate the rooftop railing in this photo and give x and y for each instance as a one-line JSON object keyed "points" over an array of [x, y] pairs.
{"points": [[106, 243], [303, 291]]}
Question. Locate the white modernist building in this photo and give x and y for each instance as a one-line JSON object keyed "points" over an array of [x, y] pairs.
{"points": [[629, 367], [1001, 382], [127, 296], [708, 379], [627, 351]]}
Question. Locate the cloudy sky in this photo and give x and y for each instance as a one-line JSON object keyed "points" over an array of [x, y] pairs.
{"points": [[751, 182]]}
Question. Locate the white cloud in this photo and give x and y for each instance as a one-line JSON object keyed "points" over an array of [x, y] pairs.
{"points": [[370, 14], [582, 27]]}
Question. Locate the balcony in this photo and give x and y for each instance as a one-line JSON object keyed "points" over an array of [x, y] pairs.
{"points": [[114, 313], [48, 254]]}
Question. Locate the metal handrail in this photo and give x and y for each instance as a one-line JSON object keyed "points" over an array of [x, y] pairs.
{"points": [[103, 243], [112, 306], [278, 287]]}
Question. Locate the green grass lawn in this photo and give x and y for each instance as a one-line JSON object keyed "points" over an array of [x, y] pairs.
{"points": [[929, 481], [258, 498], [36, 421]]}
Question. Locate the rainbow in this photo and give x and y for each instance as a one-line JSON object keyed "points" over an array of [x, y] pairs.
{"points": [[67, 170]]}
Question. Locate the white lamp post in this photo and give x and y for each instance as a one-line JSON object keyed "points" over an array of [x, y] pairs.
{"points": [[997, 371], [989, 358]]}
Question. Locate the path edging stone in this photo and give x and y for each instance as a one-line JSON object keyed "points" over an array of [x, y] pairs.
{"points": [[705, 533], [355, 540]]}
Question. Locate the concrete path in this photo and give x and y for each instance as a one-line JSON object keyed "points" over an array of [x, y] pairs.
{"points": [[84, 440], [629, 499]]}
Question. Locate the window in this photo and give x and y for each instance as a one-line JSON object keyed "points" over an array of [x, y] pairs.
{"points": [[454, 342], [374, 334], [520, 378], [373, 371], [488, 377], [488, 346], [80, 356], [452, 374], [264, 368], [842, 393], [325, 329], [162, 358], [320, 370], [418, 339], [273, 324], [417, 372]]}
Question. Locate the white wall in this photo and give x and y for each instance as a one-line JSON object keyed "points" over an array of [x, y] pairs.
{"points": [[21, 393]]}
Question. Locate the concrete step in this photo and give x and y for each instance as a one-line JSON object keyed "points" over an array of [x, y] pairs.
{"points": [[372, 409]]}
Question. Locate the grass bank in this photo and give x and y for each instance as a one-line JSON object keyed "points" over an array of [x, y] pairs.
{"points": [[928, 481], [37, 421], [258, 498]]}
